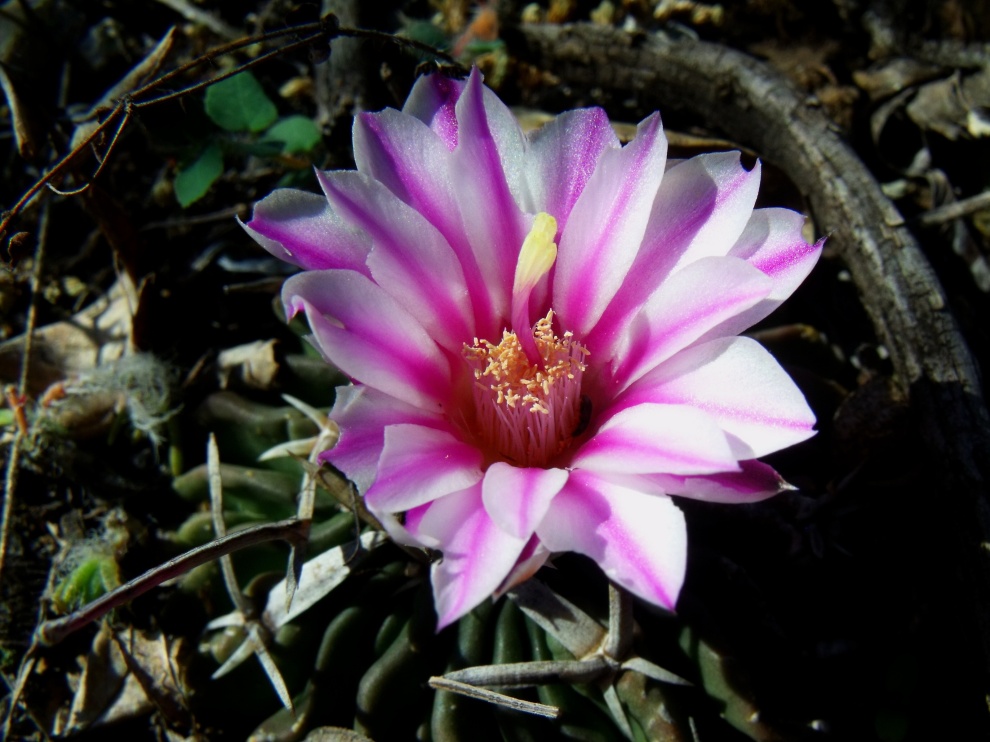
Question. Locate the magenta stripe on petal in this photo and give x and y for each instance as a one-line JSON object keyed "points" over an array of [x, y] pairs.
{"points": [[789, 263], [494, 224], [517, 498], [419, 465], [510, 144], [563, 154], [606, 227], [773, 243], [409, 159], [413, 520], [477, 554], [732, 190], [687, 305], [652, 438], [761, 408], [301, 228], [754, 482], [432, 100], [410, 259], [701, 208], [362, 414], [367, 335], [639, 540]]}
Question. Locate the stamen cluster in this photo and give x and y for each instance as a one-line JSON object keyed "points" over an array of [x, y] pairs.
{"points": [[526, 411]]}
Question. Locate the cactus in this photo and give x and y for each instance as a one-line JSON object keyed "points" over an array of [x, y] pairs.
{"points": [[363, 653]]}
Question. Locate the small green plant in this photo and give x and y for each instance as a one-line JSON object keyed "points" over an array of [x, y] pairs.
{"points": [[239, 104], [91, 570], [249, 125]]}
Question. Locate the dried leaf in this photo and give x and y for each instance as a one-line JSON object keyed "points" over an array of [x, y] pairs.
{"points": [[580, 634], [154, 663], [890, 77], [104, 671], [95, 336], [320, 575], [253, 365], [944, 106], [335, 734]]}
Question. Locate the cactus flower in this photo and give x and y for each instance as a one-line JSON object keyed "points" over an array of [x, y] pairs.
{"points": [[542, 333]]}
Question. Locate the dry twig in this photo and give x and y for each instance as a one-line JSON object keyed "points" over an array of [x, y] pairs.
{"points": [[119, 115]]}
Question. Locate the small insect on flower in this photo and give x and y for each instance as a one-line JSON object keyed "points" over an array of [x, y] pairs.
{"points": [[584, 416], [542, 333]]}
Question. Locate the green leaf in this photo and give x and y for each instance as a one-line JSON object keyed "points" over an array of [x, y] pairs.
{"points": [[298, 134], [239, 104], [194, 180], [261, 148], [426, 33]]}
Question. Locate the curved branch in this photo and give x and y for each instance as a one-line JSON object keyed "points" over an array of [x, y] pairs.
{"points": [[898, 287]]}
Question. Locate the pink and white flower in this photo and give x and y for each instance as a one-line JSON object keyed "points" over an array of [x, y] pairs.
{"points": [[542, 332]]}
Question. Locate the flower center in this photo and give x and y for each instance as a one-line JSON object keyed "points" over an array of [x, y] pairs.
{"points": [[527, 412]]}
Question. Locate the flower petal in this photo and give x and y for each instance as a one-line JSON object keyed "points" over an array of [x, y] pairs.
{"points": [[740, 385], [301, 228], [700, 210], [687, 305], [639, 540], [362, 414], [533, 556], [407, 157], [562, 157], [410, 259], [773, 242], [651, 438], [493, 222], [433, 101], [400, 534], [518, 498], [754, 482], [419, 465], [477, 554], [510, 142], [606, 227], [367, 335]]}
